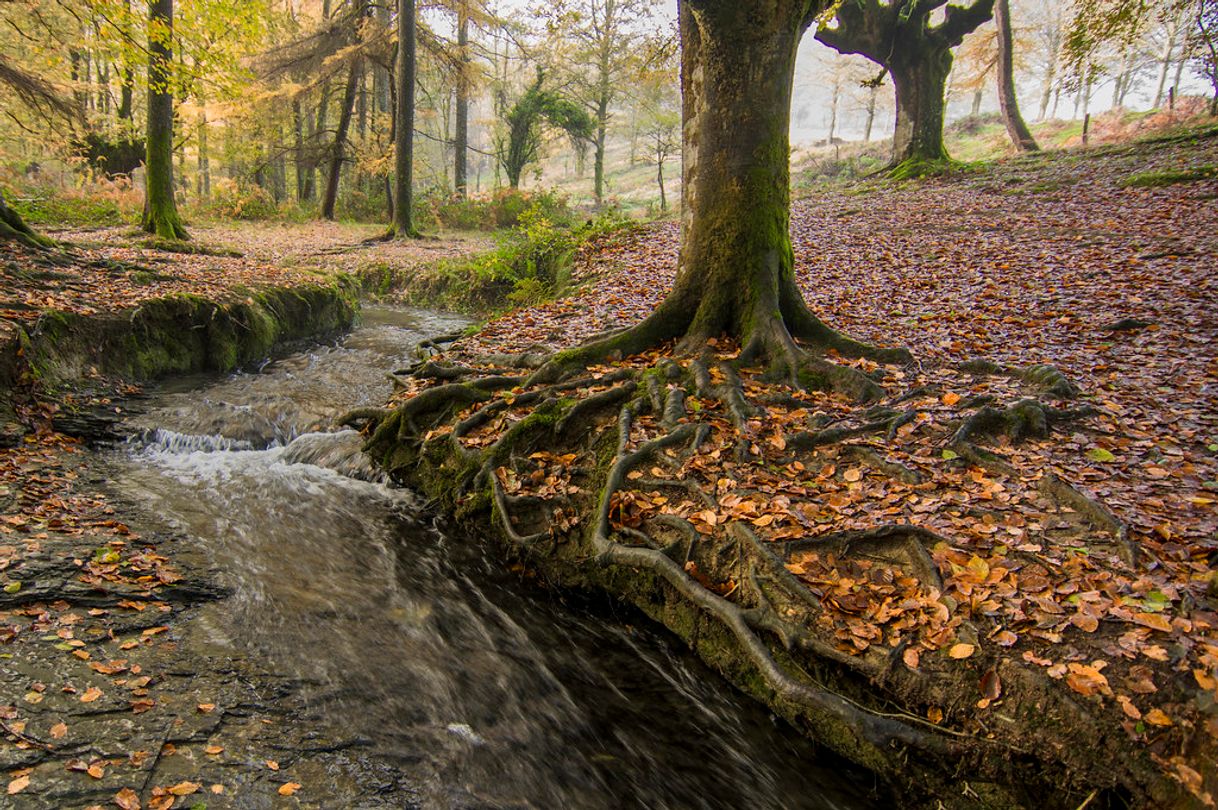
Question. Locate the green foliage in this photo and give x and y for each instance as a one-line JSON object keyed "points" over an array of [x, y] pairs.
{"points": [[531, 262], [100, 204], [1170, 177], [520, 143], [503, 209]]}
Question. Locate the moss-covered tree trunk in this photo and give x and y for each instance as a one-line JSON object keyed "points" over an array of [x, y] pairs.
{"points": [[13, 228], [1021, 136], [160, 210], [403, 191], [920, 77]]}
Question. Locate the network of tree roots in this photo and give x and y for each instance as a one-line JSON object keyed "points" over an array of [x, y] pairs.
{"points": [[912, 539]]}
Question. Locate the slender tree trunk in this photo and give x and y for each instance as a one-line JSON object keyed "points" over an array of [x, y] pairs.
{"points": [[160, 211], [1047, 94], [1165, 66], [977, 96], [1021, 136], [298, 149], [204, 163], [598, 157], [920, 76], [461, 126], [339, 154], [403, 194], [872, 93], [660, 181]]}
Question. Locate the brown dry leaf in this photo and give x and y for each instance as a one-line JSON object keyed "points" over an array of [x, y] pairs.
{"points": [[272, 764], [991, 685], [1157, 717], [910, 657], [1205, 680], [951, 398], [1155, 621], [184, 788], [1086, 680], [207, 708], [97, 770], [1131, 711], [213, 750], [59, 731], [1085, 622], [91, 694], [961, 650], [17, 785], [289, 788], [127, 799], [217, 789], [853, 474], [935, 715], [1005, 638]]}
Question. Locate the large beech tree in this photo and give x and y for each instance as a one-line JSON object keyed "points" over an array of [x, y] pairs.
{"points": [[160, 210], [899, 36], [736, 274]]}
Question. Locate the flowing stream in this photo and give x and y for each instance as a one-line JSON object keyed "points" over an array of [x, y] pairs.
{"points": [[484, 690]]}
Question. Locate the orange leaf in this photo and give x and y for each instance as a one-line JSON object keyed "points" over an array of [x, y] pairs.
{"points": [[96, 770], [1156, 717], [289, 788], [17, 785], [127, 799], [951, 398], [58, 731], [184, 788], [91, 694], [959, 651]]}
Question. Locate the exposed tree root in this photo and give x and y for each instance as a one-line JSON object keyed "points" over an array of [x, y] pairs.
{"points": [[560, 459], [1067, 495]]}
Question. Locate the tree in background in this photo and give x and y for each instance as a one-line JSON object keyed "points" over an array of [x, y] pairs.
{"points": [[1021, 136], [160, 209], [610, 43], [520, 143], [918, 54], [659, 112], [1203, 44]]}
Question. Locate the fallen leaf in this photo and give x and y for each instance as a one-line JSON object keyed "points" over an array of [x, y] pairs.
{"points": [[17, 785], [1157, 717], [97, 770], [962, 650], [184, 788], [910, 657], [58, 731], [127, 799], [272, 764], [91, 694], [289, 788]]}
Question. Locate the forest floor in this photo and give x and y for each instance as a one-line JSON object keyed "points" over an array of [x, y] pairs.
{"points": [[1083, 559], [1103, 264]]}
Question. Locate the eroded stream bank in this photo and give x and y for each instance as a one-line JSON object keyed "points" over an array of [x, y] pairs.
{"points": [[397, 662]]}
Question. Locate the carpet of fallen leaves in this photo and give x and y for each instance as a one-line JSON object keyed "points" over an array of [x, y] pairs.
{"points": [[1042, 259]]}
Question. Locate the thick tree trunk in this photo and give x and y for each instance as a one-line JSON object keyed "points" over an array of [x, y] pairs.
{"points": [[403, 196], [736, 273], [160, 211], [920, 76], [338, 156], [461, 126], [1021, 136]]}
